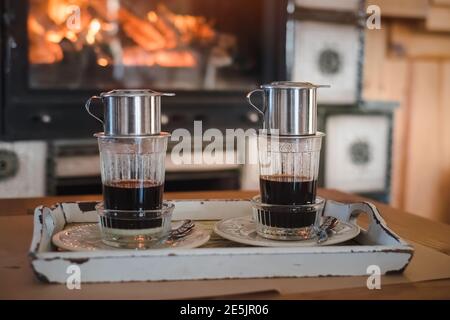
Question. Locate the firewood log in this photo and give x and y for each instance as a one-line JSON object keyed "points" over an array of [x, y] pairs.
{"points": [[141, 31]]}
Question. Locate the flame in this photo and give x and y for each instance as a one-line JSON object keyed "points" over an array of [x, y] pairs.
{"points": [[159, 37], [72, 36], [94, 28], [175, 59], [57, 11], [54, 37], [152, 16], [103, 62]]}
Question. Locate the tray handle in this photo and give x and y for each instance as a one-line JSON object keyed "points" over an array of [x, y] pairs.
{"points": [[377, 232]]}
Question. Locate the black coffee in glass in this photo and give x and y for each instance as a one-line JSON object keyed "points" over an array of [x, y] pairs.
{"points": [[285, 189], [288, 190], [132, 195]]}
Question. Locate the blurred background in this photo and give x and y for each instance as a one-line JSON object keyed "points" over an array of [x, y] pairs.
{"points": [[384, 114]]}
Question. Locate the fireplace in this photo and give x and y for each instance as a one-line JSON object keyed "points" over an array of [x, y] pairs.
{"points": [[57, 53]]}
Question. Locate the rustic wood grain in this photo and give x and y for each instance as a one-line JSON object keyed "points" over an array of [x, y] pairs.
{"points": [[386, 78], [411, 227], [425, 163], [428, 290], [375, 52], [441, 2], [413, 42], [407, 64], [438, 19], [444, 138], [432, 234], [401, 8]]}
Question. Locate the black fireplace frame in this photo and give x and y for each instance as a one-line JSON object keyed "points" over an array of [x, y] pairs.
{"points": [[49, 114]]}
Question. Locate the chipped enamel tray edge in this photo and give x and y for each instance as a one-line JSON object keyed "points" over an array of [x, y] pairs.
{"points": [[378, 245]]}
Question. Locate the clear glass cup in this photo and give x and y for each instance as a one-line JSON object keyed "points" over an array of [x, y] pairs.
{"points": [[287, 222], [135, 229], [288, 208], [289, 168], [132, 172]]}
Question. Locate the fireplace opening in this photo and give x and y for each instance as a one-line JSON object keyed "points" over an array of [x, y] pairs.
{"points": [[55, 54], [182, 45]]}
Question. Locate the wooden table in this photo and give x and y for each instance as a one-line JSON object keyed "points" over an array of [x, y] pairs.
{"points": [[420, 230]]}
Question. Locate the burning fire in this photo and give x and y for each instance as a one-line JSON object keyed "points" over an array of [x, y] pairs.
{"points": [[116, 34], [93, 29]]}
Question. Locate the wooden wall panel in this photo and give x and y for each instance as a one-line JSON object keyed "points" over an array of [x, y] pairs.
{"points": [[410, 65], [410, 40], [401, 8], [424, 161], [396, 79], [375, 54], [444, 138], [438, 19], [386, 79], [441, 2]]}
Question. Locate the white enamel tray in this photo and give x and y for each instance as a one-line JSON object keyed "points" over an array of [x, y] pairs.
{"points": [[377, 245]]}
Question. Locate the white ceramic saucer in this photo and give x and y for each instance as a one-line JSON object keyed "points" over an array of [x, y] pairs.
{"points": [[86, 237], [243, 230]]}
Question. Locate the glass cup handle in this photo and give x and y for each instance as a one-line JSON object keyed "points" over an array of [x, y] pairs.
{"points": [[88, 105], [249, 99]]}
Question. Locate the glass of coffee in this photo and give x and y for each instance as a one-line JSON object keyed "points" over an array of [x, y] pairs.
{"points": [[133, 213], [288, 207], [287, 222]]}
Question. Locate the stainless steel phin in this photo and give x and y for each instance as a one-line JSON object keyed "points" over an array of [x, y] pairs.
{"points": [[130, 112], [289, 161], [289, 107], [132, 166]]}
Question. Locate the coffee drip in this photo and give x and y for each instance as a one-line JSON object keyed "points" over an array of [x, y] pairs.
{"points": [[289, 156], [132, 152]]}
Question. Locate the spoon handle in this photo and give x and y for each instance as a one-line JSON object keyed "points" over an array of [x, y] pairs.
{"points": [[329, 224], [182, 230]]}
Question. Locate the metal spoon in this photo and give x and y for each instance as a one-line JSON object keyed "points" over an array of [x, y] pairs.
{"points": [[186, 227], [325, 228]]}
